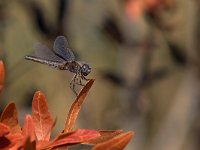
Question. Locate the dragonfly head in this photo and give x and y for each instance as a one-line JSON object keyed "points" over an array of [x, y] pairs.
{"points": [[85, 69]]}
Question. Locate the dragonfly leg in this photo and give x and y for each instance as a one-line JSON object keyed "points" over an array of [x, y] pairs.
{"points": [[80, 81], [81, 78], [84, 78], [72, 84], [77, 80]]}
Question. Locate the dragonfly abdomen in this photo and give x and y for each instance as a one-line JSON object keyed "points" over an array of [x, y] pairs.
{"points": [[42, 61]]}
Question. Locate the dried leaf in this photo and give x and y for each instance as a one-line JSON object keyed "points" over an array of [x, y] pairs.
{"points": [[104, 136], [28, 130], [42, 119], [4, 129], [76, 106], [74, 137], [9, 118], [117, 143], [2, 75]]}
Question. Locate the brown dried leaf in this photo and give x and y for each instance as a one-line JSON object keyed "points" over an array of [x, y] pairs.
{"points": [[2, 75], [9, 118], [117, 143], [28, 130], [76, 106], [104, 136], [4, 129], [42, 119]]}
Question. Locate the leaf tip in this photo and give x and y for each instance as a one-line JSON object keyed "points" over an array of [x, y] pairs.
{"points": [[2, 75], [38, 93]]}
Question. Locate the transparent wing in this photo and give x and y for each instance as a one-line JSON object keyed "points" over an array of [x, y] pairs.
{"points": [[43, 52], [61, 49]]}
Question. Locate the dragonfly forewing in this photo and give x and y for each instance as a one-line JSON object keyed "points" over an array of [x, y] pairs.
{"points": [[62, 50], [43, 52]]}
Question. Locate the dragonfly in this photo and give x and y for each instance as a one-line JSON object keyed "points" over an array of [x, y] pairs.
{"points": [[61, 57]]}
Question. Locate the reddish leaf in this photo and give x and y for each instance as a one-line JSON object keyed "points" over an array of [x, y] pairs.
{"points": [[2, 75], [104, 136], [76, 106], [4, 129], [73, 137], [28, 130], [15, 137], [4, 143], [117, 143], [134, 8], [41, 144], [27, 138], [42, 119], [29, 144], [9, 118], [15, 141]]}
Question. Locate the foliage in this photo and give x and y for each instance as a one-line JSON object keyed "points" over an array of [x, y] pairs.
{"points": [[36, 130], [135, 8]]}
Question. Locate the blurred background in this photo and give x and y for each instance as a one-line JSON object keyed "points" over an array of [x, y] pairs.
{"points": [[144, 56]]}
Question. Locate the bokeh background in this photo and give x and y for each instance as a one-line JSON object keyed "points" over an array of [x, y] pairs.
{"points": [[144, 56]]}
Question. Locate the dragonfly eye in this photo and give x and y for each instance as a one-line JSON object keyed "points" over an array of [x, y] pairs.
{"points": [[85, 69]]}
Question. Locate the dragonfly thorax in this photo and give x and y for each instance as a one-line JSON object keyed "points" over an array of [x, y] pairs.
{"points": [[85, 69]]}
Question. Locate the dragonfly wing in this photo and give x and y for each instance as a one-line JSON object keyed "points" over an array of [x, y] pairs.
{"points": [[61, 49], [43, 52]]}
